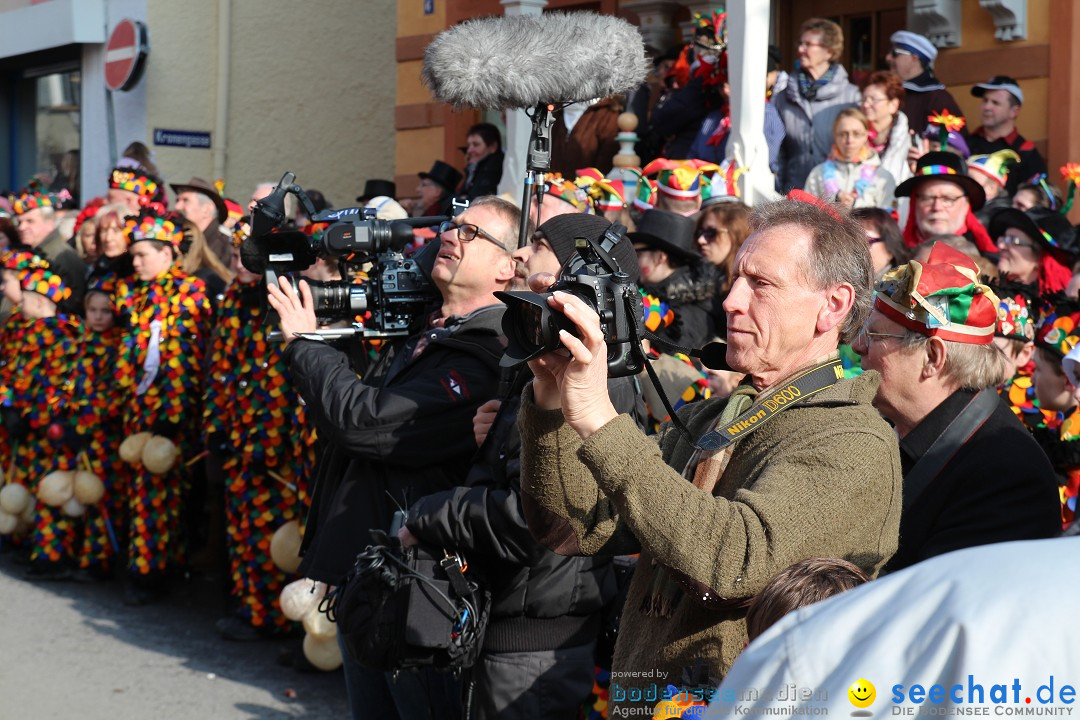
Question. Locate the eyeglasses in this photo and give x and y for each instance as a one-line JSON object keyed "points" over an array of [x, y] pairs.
{"points": [[1014, 241], [467, 232], [872, 101], [947, 201], [803, 43], [897, 51], [711, 233], [870, 336]]}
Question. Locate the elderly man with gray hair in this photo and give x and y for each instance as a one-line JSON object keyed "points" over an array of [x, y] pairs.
{"points": [[973, 474], [796, 463]]}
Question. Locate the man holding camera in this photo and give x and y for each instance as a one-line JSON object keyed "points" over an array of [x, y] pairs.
{"points": [[796, 463], [538, 655], [405, 430]]}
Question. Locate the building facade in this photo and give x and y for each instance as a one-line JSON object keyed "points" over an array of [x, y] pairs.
{"points": [[277, 85]]}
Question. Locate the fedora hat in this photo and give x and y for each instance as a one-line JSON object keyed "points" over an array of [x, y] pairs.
{"points": [[667, 231], [443, 174], [377, 188], [942, 165], [201, 186], [1049, 228]]}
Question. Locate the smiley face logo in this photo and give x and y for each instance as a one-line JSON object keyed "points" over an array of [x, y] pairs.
{"points": [[862, 693]]}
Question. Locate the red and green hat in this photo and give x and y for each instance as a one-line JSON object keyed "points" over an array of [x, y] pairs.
{"points": [[34, 196], [940, 298], [644, 192], [557, 186], [152, 226], [35, 274], [722, 183], [1059, 327], [603, 194], [680, 179]]}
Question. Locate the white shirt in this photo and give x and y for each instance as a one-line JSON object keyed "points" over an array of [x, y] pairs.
{"points": [[1001, 617]]}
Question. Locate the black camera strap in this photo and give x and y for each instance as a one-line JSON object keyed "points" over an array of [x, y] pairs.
{"points": [[773, 401]]}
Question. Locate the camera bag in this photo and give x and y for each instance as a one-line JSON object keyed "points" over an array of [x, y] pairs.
{"points": [[410, 607]]}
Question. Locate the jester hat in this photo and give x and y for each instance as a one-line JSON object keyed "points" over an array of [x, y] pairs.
{"points": [[151, 225], [556, 186], [1059, 327], [995, 166], [603, 194], [722, 184], [680, 179], [940, 298], [1016, 312], [35, 196], [35, 274], [138, 181]]}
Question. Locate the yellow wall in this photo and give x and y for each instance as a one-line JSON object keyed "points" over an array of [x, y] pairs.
{"points": [[978, 36], [312, 90], [416, 148]]}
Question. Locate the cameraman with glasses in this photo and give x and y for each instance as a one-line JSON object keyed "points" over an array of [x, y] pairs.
{"points": [[405, 429]]}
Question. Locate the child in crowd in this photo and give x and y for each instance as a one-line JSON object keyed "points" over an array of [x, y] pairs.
{"points": [[165, 315], [40, 351], [99, 410], [253, 423], [804, 583], [1056, 337]]}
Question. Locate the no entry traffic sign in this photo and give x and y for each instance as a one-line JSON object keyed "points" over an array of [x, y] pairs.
{"points": [[125, 55]]}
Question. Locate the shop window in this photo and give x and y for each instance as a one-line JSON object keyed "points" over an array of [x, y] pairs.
{"points": [[57, 121]]}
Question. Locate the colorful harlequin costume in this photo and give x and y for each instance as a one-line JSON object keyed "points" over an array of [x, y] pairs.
{"points": [[682, 378], [1058, 333], [36, 397], [100, 413], [1016, 321], [253, 417], [166, 324]]}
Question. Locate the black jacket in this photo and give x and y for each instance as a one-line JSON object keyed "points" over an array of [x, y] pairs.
{"points": [[540, 600], [403, 432], [484, 178], [691, 292], [1031, 162], [999, 486]]}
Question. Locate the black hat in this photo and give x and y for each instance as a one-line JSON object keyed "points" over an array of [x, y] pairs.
{"points": [[942, 165], [668, 231], [1000, 82], [1049, 228], [443, 174], [377, 188], [561, 231], [201, 186]]}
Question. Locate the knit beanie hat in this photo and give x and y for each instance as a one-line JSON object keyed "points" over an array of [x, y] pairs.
{"points": [[561, 232]]}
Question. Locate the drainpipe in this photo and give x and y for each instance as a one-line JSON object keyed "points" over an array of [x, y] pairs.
{"points": [[221, 123]]}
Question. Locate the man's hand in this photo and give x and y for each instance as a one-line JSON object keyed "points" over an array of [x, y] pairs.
{"points": [[407, 538], [579, 372], [484, 418], [297, 312]]}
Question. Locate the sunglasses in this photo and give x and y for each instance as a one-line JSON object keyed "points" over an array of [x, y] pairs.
{"points": [[711, 233]]}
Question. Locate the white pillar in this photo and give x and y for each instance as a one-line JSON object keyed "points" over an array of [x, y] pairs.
{"points": [[748, 38], [518, 125]]}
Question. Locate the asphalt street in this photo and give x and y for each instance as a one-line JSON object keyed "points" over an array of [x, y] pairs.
{"points": [[71, 650]]}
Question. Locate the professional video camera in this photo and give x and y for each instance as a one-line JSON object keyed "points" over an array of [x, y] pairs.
{"points": [[532, 327], [397, 289]]}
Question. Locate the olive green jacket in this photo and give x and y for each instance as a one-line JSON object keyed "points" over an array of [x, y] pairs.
{"points": [[821, 479]]}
